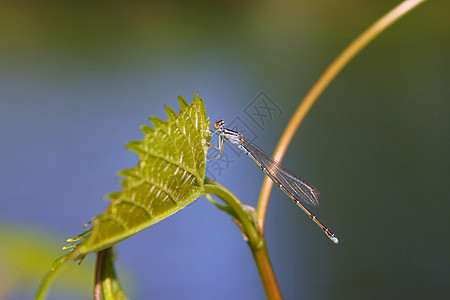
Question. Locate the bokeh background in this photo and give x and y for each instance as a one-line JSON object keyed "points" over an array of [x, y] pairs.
{"points": [[78, 79]]}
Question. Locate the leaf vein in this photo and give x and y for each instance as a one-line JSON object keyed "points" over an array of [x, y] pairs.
{"points": [[116, 219], [137, 204], [187, 169], [162, 189]]}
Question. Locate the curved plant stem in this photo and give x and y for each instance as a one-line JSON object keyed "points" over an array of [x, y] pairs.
{"points": [[266, 273], [256, 241], [330, 73], [55, 268]]}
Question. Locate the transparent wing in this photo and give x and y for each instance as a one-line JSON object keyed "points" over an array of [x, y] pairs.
{"points": [[294, 185]]}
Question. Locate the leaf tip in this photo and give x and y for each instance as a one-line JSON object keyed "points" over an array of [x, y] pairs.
{"points": [[156, 121], [147, 129], [170, 113], [183, 103], [133, 145]]}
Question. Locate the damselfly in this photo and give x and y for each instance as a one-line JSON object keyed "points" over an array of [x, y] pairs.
{"points": [[295, 187]]}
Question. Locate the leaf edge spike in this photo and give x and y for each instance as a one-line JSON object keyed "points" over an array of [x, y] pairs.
{"points": [[171, 114], [147, 129], [157, 122], [183, 102], [134, 146]]}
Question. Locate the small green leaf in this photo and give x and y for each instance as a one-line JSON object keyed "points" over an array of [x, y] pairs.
{"points": [[225, 208], [169, 176]]}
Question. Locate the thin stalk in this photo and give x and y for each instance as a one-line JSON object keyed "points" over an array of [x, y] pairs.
{"points": [[330, 73], [99, 275], [266, 273]]}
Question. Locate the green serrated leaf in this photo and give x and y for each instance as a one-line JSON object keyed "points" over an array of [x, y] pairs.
{"points": [[169, 176]]}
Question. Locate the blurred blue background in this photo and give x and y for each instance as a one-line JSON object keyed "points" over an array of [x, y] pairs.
{"points": [[77, 80]]}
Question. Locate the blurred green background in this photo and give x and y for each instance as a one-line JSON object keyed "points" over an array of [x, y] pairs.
{"points": [[77, 79]]}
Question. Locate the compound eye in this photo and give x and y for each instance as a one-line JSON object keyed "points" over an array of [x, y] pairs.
{"points": [[219, 124]]}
